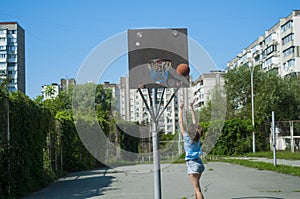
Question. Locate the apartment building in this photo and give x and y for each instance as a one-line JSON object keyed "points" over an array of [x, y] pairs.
{"points": [[115, 91], [12, 55], [50, 91], [65, 83], [204, 86], [132, 107], [277, 50]]}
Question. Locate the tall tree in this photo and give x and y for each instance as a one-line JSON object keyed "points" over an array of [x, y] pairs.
{"points": [[271, 93]]}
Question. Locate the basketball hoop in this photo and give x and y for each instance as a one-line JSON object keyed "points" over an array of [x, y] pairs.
{"points": [[159, 70]]}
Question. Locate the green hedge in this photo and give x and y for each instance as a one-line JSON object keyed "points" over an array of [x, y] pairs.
{"points": [[23, 169]]}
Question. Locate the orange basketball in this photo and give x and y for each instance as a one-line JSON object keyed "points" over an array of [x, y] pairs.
{"points": [[183, 69]]}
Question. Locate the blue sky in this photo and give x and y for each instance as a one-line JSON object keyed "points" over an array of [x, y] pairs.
{"points": [[60, 34]]}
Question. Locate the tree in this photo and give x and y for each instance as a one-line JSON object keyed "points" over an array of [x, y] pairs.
{"points": [[271, 93], [50, 91]]}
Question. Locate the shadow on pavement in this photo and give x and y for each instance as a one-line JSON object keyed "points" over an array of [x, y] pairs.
{"points": [[78, 185]]}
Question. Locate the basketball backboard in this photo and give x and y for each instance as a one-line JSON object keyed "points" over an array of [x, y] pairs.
{"points": [[153, 56]]}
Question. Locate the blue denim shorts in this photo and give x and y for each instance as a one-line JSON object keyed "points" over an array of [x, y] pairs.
{"points": [[195, 166]]}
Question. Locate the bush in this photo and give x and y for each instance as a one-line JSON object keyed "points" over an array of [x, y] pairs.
{"points": [[234, 138]]}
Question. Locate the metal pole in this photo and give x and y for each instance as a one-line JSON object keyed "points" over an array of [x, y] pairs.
{"points": [[155, 113], [156, 154], [274, 139], [252, 105], [292, 136], [179, 144]]}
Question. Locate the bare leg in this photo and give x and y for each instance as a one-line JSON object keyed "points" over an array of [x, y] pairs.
{"points": [[195, 180]]}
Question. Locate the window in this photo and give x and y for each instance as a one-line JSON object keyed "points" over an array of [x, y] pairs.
{"points": [[202, 96], [289, 51], [287, 39], [291, 63], [269, 50], [268, 62], [2, 39], [2, 47], [11, 40], [11, 64], [12, 47], [287, 26], [2, 55], [13, 81], [268, 39], [12, 56]]}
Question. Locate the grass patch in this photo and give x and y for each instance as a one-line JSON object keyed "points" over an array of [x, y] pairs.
{"points": [[279, 154], [295, 171]]}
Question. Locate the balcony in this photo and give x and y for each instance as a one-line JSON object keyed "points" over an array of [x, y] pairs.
{"points": [[3, 33], [287, 45], [3, 42], [287, 32], [12, 60], [12, 52], [3, 59]]}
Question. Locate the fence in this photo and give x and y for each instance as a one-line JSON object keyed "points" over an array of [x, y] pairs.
{"points": [[287, 135]]}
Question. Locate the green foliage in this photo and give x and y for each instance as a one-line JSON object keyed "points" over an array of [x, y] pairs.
{"points": [[168, 143], [238, 90], [29, 125], [279, 154], [167, 137], [67, 150], [271, 93], [43, 139], [290, 170], [234, 138], [129, 139]]}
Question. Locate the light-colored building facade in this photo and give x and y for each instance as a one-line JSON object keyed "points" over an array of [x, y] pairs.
{"points": [[205, 85], [278, 50], [12, 55], [133, 108], [50, 91]]}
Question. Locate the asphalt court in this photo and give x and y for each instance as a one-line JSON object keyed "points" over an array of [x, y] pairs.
{"points": [[219, 180]]}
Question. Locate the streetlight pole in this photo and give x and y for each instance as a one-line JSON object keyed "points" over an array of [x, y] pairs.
{"points": [[251, 66]]}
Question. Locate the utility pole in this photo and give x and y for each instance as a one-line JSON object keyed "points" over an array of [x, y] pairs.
{"points": [[251, 67]]}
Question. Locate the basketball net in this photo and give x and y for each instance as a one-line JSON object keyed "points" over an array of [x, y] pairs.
{"points": [[159, 70]]}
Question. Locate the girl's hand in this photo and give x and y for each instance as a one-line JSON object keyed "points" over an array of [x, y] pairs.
{"points": [[192, 103], [181, 105]]}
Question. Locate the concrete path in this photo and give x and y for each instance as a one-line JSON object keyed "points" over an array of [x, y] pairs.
{"points": [[219, 181]]}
